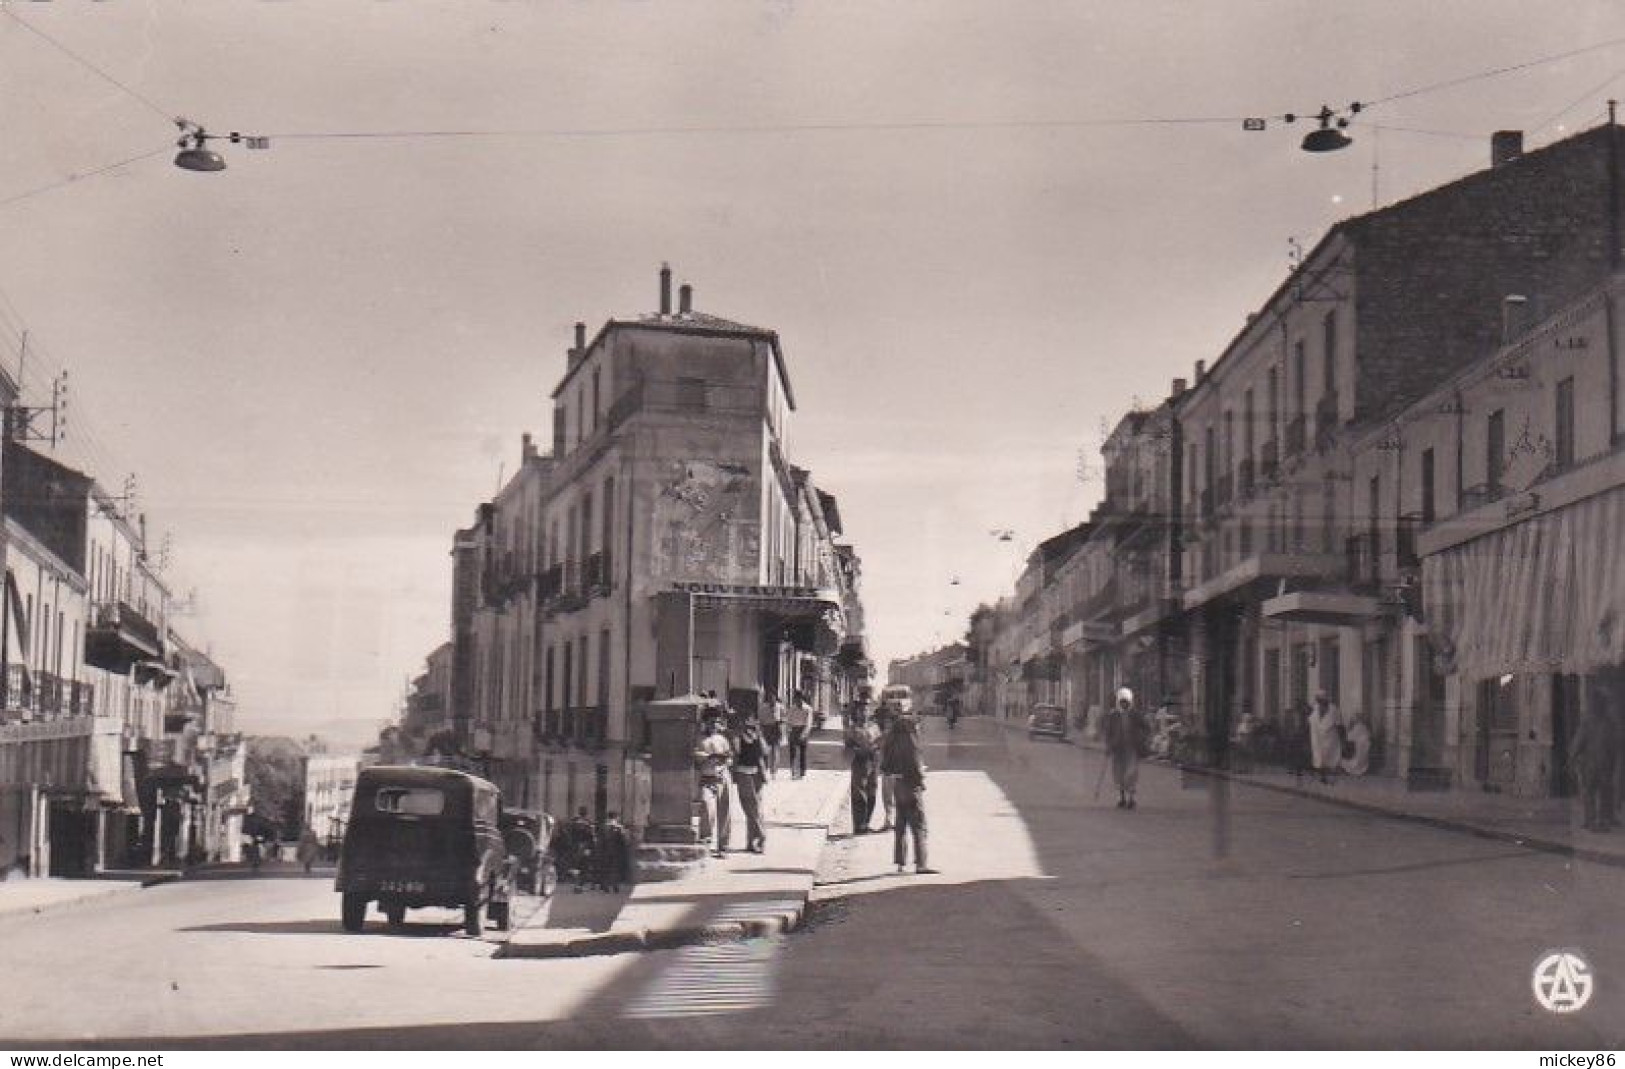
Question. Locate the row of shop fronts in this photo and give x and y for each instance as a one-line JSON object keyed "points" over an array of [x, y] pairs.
{"points": [[117, 742], [1402, 485]]}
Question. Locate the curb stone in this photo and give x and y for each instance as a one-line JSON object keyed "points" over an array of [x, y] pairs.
{"points": [[779, 921]]}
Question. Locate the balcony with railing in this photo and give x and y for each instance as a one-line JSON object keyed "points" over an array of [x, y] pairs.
{"points": [[1269, 459], [1364, 553], [1326, 421], [1295, 435], [572, 590], [586, 725], [595, 578], [1405, 554], [120, 636], [17, 693]]}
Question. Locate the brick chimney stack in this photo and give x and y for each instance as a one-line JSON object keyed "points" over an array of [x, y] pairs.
{"points": [[665, 289], [685, 299]]}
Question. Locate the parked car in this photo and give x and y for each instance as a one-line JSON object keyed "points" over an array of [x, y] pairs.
{"points": [[424, 837], [529, 839], [1047, 720]]}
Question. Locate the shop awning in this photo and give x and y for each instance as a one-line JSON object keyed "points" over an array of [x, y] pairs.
{"points": [[1544, 595], [1330, 608]]}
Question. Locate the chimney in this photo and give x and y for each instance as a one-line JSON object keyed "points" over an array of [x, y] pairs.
{"points": [[578, 351], [1505, 146], [1178, 388], [1201, 369], [665, 289], [527, 448], [1514, 316], [685, 298]]}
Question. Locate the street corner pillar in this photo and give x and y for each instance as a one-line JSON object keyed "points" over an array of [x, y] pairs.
{"points": [[673, 784], [671, 848]]}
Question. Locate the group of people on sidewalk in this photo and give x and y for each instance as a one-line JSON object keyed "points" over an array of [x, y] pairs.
{"points": [[593, 855], [887, 767], [737, 755]]}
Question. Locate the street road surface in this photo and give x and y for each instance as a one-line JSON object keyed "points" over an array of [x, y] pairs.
{"points": [[1057, 921]]}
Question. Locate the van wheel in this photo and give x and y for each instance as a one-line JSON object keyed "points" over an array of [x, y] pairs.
{"points": [[354, 913], [472, 924], [396, 915]]}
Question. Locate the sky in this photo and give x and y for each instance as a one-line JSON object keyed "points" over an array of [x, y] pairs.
{"points": [[318, 361]]}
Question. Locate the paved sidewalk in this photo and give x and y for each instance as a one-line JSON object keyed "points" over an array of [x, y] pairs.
{"points": [[44, 895], [737, 897], [1548, 824]]}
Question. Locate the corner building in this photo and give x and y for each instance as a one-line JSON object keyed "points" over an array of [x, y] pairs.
{"points": [[666, 546]]}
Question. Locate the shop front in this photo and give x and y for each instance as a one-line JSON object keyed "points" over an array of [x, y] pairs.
{"points": [[1525, 601]]}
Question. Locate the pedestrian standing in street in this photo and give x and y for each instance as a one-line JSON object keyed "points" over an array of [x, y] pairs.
{"points": [[886, 717], [1300, 750], [862, 745], [713, 757], [1124, 732], [900, 760], [613, 854], [749, 777], [1326, 734], [583, 837], [773, 732], [799, 721], [309, 848], [1594, 756]]}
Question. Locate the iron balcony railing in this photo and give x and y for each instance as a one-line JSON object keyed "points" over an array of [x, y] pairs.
{"points": [[1364, 560], [1326, 421], [1295, 437], [1405, 543], [1269, 459]]}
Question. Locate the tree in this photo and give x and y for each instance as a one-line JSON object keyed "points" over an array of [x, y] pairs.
{"points": [[276, 780]]}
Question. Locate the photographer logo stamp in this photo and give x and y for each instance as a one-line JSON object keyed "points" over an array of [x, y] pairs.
{"points": [[1563, 982]]}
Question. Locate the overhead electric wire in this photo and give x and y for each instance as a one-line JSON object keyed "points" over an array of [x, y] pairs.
{"points": [[1464, 79], [1581, 99], [73, 178], [136, 94], [756, 128]]}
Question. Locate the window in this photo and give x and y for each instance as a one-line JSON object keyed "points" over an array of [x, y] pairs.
{"points": [[1273, 399], [1272, 685], [1328, 328], [603, 670], [597, 397], [1299, 374], [1565, 424], [606, 546], [1427, 486], [1247, 425], [1495, 447], [567, 696], [413, 801]]}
